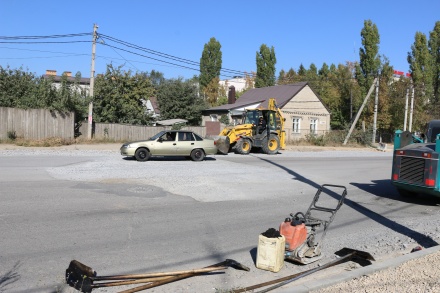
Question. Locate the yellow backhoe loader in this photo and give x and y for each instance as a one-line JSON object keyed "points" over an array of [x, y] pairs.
{"points": [[269, 137]]}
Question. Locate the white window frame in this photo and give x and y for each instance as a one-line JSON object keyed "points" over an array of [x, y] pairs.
{"points": [[296, 124], [314, 125]]}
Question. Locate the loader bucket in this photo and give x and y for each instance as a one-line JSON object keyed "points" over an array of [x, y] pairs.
{"points": [[223, 144]]}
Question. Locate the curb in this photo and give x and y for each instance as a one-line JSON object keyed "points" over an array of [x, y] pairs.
{"points": [[368, 270]]}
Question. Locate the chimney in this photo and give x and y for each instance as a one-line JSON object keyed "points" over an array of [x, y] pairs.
{"points": [[67, 73], [231, 95], [51, 72]]}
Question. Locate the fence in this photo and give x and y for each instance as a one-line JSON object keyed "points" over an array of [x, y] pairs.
{"points": [[124, 132], [36, 123]]}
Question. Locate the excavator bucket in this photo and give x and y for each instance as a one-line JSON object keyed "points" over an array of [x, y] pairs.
{"points": [[223, 144]]}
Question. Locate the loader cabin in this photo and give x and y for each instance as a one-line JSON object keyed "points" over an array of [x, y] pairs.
{"points": [[303, 110]]}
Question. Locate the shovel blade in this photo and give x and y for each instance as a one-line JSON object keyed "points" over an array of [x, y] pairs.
{"points": [[79, 276], [355, 253], [223, 144]]}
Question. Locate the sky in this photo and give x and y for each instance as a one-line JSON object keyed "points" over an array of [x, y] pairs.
{"points": [[169, 35]]}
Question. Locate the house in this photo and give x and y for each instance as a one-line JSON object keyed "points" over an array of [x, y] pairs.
{"points": [[152, 107], [301, 107], [84, 83]]}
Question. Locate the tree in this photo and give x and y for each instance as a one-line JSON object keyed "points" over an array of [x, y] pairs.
{"points": [[212, 91], [434, 50], [369, 56], [120, 97], [180, 99], [266, 61], [210, 62], [22, 89], [156, 78], [420, 64]]}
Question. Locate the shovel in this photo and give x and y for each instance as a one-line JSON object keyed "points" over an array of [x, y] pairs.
{"points": [[82, 277], [346, 254]]}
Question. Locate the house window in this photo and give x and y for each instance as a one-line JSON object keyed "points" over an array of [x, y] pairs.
{"points": [[314, 125], [296, 125], [214, 117]]}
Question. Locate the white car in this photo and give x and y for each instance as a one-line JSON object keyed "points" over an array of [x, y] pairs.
{"points": [[171, 143]]}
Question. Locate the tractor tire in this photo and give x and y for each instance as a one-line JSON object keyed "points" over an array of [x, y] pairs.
{"points": [[142, 155], [243, 146], [271, 146]]}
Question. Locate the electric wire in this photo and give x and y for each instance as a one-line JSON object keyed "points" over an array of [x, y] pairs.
{"points": [[164, 55], [43, 37]]}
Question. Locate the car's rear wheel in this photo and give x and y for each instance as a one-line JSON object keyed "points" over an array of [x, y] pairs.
{"points": [[197, 155], [142, 155]]}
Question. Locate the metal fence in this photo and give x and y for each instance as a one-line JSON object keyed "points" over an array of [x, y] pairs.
{"points": [[35, 123]]}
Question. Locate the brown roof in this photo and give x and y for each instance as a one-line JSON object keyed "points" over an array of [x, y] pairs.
{"points": [[57, 78], [153, 101], [282, 94]]}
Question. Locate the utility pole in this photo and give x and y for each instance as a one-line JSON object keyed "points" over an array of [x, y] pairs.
{"points": [[376, 101], [359, 112], [92, 81], [406, 110], [411, 110]]}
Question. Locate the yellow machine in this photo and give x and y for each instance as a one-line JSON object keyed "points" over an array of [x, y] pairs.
{"points": [[247, 135]]}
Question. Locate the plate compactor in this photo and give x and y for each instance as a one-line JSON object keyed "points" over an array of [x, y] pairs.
{"points": [[304, 233]]}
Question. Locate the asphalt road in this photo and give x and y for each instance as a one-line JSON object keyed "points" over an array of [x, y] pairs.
{"points": [[122, 225]]}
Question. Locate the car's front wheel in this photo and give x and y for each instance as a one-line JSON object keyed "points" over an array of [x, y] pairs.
{"points": [[142, 155], [197, 155]]}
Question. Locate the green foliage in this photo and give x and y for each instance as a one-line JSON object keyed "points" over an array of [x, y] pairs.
{"points": [[120, 97], [224, 119], [179, 99], [12, 135], [369, 56], [314, 139], [22, 89], [210, 62], [434, 50], [266, 61]]}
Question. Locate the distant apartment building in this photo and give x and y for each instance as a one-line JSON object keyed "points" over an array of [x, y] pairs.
{"points": [[240, 83]]}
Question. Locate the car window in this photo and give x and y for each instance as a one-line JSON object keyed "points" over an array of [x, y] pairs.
{"points": [[168, 136], [186, 136], [198, 138], [157, 135]]}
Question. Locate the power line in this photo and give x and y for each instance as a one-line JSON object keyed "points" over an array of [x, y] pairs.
{"points": [[60, 42], [164, 55], [43, 37], [187, 64]]}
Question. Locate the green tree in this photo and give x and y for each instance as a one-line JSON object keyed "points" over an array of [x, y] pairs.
{"points": [[369, 56], [120, 97], [434, 50], [156, 78], [210, 62], [22, 89], [266, 61], [180, 99], [211, 91], [420, 64], [302, 73]]}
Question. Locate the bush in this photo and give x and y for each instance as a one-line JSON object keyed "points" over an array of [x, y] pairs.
{"points": [[12, 135]]}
